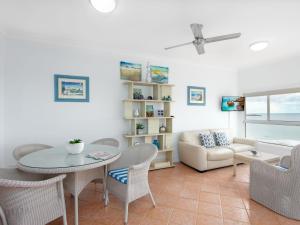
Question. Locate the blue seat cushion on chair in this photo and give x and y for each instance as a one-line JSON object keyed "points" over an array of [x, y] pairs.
{"points": [[120, 175], [282, 168]]}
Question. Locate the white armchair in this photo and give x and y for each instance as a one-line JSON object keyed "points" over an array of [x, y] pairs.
{"points": [[28, 199], [128, 177], [278, 188]]}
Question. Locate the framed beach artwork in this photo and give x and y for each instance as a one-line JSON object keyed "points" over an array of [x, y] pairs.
{"points": [[71, 88], [196, 95], [130, 71], [159, 74]]}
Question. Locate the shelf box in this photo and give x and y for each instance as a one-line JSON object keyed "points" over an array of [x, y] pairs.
{"points": [[169, 125], [168, 141], [153, 126], [159, 165], [165, 91], [161, 140]]}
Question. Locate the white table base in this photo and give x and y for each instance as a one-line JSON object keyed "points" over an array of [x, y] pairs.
{"points": [[77, 181]]}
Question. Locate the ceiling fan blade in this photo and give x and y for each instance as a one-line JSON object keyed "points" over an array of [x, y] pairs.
{"points": [[199, 48], [176, 46], [197, 30], [222, 37]]}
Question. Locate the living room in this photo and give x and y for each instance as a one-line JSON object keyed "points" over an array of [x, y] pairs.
{"points": [[46, 43]]}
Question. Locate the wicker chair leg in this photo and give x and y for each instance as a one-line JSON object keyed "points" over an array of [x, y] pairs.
{"points": [[106, 200], [152, 199], [126, 213], [61, 188], [2, 217]]}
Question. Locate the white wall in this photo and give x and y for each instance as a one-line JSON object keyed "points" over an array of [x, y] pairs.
{"points": [[32, 115], [2, 51], [276, 75]]}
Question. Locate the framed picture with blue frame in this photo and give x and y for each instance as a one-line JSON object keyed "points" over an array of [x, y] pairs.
{"points": [[196, 96], [68, 88]]}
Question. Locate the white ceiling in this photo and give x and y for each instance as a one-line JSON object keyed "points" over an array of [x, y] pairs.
{"points": [[147, 26]]}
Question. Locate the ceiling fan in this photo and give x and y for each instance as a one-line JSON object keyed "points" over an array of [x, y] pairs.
{"points": [[200, 41]]}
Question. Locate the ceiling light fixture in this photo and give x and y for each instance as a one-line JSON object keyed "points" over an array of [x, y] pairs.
{"points": [[104, 6], [258, 46]]}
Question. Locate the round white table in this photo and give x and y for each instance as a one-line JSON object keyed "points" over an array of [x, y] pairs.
{"points": [[80, 169]]}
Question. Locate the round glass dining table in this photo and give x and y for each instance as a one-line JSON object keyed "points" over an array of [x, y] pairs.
{"points": [[80, 168]]}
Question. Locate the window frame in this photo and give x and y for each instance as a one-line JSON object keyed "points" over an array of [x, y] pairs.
{"points": [[268, 121]]}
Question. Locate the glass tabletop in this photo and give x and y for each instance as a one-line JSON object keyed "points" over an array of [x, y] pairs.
{"points": [[58, 157]]}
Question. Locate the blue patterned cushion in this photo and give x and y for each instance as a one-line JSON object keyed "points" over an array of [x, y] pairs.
{"points": [[120, 175], [208, 140], [222, 139]]}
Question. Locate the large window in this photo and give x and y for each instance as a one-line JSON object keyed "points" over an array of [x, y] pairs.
{"points": [[274, 116]]}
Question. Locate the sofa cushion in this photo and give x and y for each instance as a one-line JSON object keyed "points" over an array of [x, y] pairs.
{"points": [[208, 140], [221, 139], [225, 130], [240, 147], [219, 153], [192, 137]]}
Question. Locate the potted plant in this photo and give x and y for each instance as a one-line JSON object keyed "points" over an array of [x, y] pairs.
{"points": [[75, 146], [139, 128]]}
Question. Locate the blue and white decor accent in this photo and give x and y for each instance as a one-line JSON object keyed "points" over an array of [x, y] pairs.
{"points": [[221, 139], [120, 175], [208, 140], [71, 88]]}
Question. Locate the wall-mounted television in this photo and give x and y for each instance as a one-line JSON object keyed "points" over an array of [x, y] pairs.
{"points": [[233, 103]]}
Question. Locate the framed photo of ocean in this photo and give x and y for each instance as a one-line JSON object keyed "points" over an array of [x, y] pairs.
{"points": [[130, 71], [71, 88], [159, 74], [196, 95]]}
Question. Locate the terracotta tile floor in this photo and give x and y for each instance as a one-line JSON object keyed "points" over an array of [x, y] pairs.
{"points": [[184, 197]]}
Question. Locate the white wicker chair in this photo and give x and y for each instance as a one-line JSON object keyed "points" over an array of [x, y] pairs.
{"points": [[107, 141], [137, 160], [26, 199], [23, 150], [278, 188]]}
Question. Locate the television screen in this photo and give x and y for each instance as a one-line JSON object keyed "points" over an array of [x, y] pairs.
{"points": [[233, 103]]}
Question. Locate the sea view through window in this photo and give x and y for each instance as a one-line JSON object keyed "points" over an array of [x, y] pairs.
{"points": [[274, 116]]}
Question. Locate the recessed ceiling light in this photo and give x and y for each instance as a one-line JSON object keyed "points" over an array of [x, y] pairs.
{"points": [[258, 46], [104, 6]]}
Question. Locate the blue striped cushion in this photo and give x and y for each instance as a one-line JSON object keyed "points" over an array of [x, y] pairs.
{"points": [[120, 175]]}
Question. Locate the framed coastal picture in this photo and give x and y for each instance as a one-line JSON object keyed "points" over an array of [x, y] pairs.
{"points": [[71, 88], [159, 74], [196, 95], [130, 71]]}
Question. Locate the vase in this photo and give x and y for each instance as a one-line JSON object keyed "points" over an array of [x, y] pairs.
{"points": [[162, 129], [75, 148], [148, 74], [138, 131], [156, 143], [136, 113]]}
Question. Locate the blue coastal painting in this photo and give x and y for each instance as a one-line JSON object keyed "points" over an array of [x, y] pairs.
{"points": [[130, 71], [71, 88], [159, 74]]}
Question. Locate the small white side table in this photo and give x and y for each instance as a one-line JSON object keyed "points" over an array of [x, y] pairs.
{"points": [[248, 157]]}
